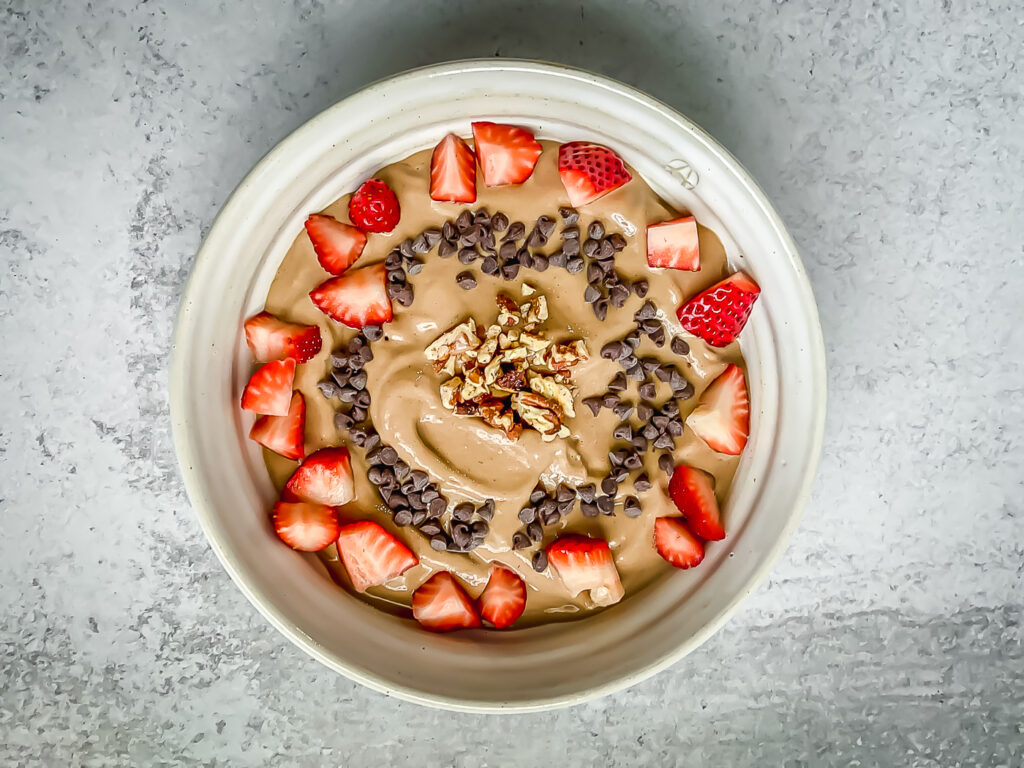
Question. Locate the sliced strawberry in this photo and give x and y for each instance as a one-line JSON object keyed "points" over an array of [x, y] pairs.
{"points": [[337, 244], [507, 153], [357, 298], [283, 434], [272, 339], [269, 390], [371, 555], [589, 171], [453, 171], [306, 527], [722, 416], [693, 492], [718, 314], [674, 245], [585, 563], [677, 543], [441, 604], [374, 207], [324, 478], [504, 598]]}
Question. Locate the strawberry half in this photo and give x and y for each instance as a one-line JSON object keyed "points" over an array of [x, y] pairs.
{"points": [[269, 390], [371, 555], [441, 605], [507, 153], [585, 563], [357, 298], [283, 434], [693, 492], [722, 416], [324, 478], [337, 244], [453, 171], [674, 245], [374, 207], [503, 599], [677, 543], [270, 338], [306, 527], [589, 171], [718, 314]]}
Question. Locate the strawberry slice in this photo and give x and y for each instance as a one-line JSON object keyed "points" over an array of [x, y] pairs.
{"points": [[693, 492], [306, 527], [283, 434], [324, 478], [677, 543], [589, 171], [357, 298], [270, 338], [722, 416], [674, 245], [337, 244], [453, 171], [441, 604], [371, 555], [507, 153], [584, 564], [269, 390], [504, 598], [718, 314]]}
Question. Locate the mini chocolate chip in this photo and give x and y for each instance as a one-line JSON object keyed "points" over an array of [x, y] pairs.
{"points": [[640, 288], [430, 528], [642, 482], [569, 215], [373, 332], [462, 511], [359, 413], [591, 294], [644, 412], [609, 486], [618, 242], [416, 502], [647, 311], [633, 461], [489, 266], [626, 357], [631, 506], [594, 273], [403, 517], [468, 255], [387, 455], [614, 279], [347, 394], [448, 231], [564, 493], [419, 244], [618, 295], [639, 442], [540, 262], [520, 540], [525, 259], [675, 428], [372, 440], [363, 399], [571, 233], [623, 411], [393, 289], [499, 222], [358, 380], [374, 475], [358, 436], [600, 308], [439, 542], [342, 421], [590, 246], [664, 373], [632, 339], [607, 267], [328, 388], [446, 249], [536, 239], [460, 535], [660, 420], [664, 440], [419, 479], [546, 225], [546, 506], [550, 517], [685, 392], [339, 360], [571, 248], [437, 506], [466, 280], [610, 400], [464, 221], [479, 529], [636, 373], [596, 230], [396, 276], [593, 403], [365, 353], [611, 350], [540, 561], [589, 509], [650, 431], [486, 510], [516, 231], [574, 266], [527, 514], [676, 380], [604, 251], [405, 248], [509, 271], [665, 463], [606, 504], [432, 237], [534, 531], [649, 326], [617, 457], [618, 382], [507, 250], [558, 259], [679, 346], [405, 296], [586, 492], [647, 390], [658, 336]]}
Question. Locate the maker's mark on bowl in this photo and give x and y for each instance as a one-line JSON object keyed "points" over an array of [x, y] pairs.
{"points": [[683, 171]]}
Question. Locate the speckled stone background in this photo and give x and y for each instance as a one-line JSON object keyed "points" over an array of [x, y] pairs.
{"points": [[891, 138]]}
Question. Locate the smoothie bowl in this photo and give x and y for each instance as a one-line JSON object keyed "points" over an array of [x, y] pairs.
{"points": [[498, 386]]}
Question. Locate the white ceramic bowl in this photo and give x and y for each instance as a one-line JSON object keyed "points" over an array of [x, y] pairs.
{"points": [[541, 667]]}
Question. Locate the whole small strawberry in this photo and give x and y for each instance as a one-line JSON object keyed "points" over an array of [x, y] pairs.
{"points": [[374, 207]]}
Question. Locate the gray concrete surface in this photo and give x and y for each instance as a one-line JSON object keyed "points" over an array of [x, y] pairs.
{"points": [[891, 138]]}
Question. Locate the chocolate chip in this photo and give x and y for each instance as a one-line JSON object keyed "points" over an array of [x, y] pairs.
{"points": [[665, 463], [489, 266], [462, 512], [685, 392], [347, 394], [642, 482], [590, 247], [636, 373], [520, 540], [609, 486], [372, 440], [664, 440], [507, 251], [546, 225], [550, 517], [405, 248], [468, 255], [540, 262], [437, 506], [419, 244], [448, 231], [631, 506], [617, 457], [675, 428], [605, 251], [429, 493], [639, 443], [479, 529], [618, 295], [564, 493], [403, 517], [540, 561], [430, 528], [649, 326], [612, 350], [664, 373], [396, 276], [546, 507], [534, 531], [527, 514], [647, 311], [393, 289], [446, 249], [571, 248], [647, 390], [618, 242], [606, 504], [365, 353], [516, 231], [632, 339], [640, 288], [618, 382], [486, 510], [600, 308], [509, 271], [633, 461], [596, 230], [420, 515], [571, 233], [499, 222], [482, 216], [405, 297], [525, 259], [590, 295], [644, 412], [359, 413], [466, 280], [610, 400], [373, 332], [342, 421], [658, 336], [614, 279], [623, 411], [363, 399], [558, 259], [328, 388], [464, 221], [650, 431], [569, 215], [574, 266], [589, 509], [679, 346], [594, 273], [460, 535], [374, 475], [386, 455], [393, 260], [439, 542], [593, 403]]}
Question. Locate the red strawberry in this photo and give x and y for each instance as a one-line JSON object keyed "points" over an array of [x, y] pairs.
{"points": [[589, 171], [586, 564], [722, 416], [504, 598], [337, 245], [371, 555], [374, 207], [269, 390], [357, 298], [271, 339], [507, 153], [677, 543], [324, 478], [453, 171], [441, 604], [674, 245], [718, 314], [283, 434], [306, 527], [693, 492]]}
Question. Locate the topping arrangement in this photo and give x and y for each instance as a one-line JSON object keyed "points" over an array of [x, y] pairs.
{"points": [[510, 370]]}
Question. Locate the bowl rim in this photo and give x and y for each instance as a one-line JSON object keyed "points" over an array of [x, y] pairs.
{"points": [[178, 384]]}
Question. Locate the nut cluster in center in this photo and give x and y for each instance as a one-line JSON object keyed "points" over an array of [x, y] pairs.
{"points": [[509, 375]]}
